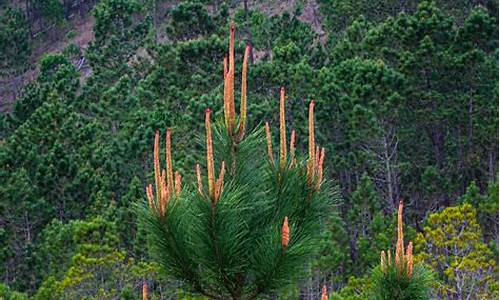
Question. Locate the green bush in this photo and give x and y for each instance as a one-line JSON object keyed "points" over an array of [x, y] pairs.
{"points": [[392, 285]]}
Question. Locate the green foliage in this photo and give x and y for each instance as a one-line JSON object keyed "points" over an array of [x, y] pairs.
{"points": [[233, 248], [259, 26], [55, 248], [451, 244], [334, 257], [72, 51], [15, 42], [58, 78], [7, 294], [365, 219], [51, 10], [420, 56], [59, 173], [351, 245], [189, 20], [340, 14], [117, 34], [71, 34], [355, 289], [131, 235], [287, 28], [407, 107], [391, 285], [114, 17], [97, 268], [486, 206]]}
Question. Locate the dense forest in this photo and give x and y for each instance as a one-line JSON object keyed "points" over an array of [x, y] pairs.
{"points": [[406, 108]]}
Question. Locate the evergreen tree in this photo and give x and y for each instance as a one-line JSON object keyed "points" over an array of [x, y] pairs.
{"points": [[251, 230], [15, 42], [452, 245], [397, 278], [7, 293], [367, 226], [486, 206], [189, 20], [334, 259], [117, 35], [97, 269]]}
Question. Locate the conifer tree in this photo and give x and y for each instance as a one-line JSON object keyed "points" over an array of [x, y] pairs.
{"points": [[251, 224], [397, 278], [452, 245]]}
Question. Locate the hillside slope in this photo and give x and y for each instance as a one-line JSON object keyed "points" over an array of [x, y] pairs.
{"points": [[406, 100]]}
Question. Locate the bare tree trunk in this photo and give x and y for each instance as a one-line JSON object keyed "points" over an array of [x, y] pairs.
{"points": [[27, 228], [492, 163], [384, 149], [437, 137], [470, 126], [462, 169], [388, 171]]}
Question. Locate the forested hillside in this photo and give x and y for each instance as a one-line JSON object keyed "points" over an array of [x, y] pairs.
{"points": [[406, 101]]}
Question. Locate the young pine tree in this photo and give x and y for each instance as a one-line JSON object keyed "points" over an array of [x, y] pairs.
{"points": [[252, 227], [397, 278]]}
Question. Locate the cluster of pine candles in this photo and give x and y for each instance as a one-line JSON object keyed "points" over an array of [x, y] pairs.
{"points": [[403, 261], [167, 183]]}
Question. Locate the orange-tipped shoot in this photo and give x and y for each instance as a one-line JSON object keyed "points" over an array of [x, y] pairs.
{"points": [[178, 183], [402, 261], [282, 129], [164, 192], [168, 159], [383, 261], [225, 67], [226, 102], [149, 194], [292, 147], [243, 104], [311, 164], [230, 105], [156, 162], [399, 255], [145, 291], [285, 233], [324, 293], [236, 134], [319, 170], [316, 155], [210, 155], [231, 79], [409, 259], [220, 181], [198, 179], [269, 143]]}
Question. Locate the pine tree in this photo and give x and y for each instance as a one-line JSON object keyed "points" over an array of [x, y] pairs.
{"points": [[15, 42], [452, 244], [97, 268], [397, 278], [250, 229]]}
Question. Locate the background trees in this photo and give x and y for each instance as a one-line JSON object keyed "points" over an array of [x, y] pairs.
{"points": [[407, 102], [451, 243], [15, 42]]}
